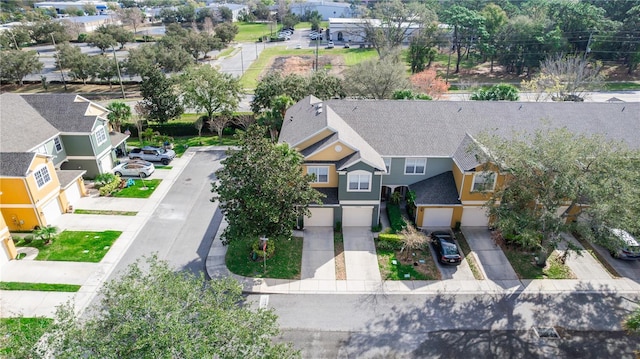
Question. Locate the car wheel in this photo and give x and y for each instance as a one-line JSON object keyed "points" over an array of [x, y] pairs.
{"points": [[165, 161], [143, 175], [118, 174]]}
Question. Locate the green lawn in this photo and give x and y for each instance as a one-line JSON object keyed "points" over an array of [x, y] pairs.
{"points": [[285, 264], [466, 250], [105, 212], [17, 333], [75, 246], [621, 86], [390, 271], [250, 32], [42, 287], [524, 265], [140, 189]]}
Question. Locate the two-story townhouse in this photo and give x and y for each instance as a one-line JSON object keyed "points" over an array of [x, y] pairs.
{"points": [[47, 144], [428, 147]]}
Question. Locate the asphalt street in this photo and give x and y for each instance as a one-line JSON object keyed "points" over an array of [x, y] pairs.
{"points": [[450, 326]]}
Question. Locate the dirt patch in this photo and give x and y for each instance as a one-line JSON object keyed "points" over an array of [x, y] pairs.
{"points": [[304, 64]]}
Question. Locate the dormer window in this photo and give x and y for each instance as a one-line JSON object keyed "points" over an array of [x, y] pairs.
{"points": [[415, 166], [484, 182], [101, 136], [42, 176]]}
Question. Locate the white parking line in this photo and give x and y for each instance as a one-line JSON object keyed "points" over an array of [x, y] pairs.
{"points": [[264, 301]]}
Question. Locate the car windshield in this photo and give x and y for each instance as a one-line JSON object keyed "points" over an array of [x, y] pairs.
{"points": [[449, 249], [161, 150]]}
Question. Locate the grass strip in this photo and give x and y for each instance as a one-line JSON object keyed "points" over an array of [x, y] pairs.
{"points": [[41, 287], [338, 250], [139, 189], [105, 212], [75, 246]]}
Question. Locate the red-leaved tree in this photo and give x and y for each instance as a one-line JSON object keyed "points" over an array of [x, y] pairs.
{"points": [[429, 83]]}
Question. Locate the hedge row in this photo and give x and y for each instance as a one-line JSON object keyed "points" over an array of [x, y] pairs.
{"points": [[390, 241], [183, 128], [395, 217]]}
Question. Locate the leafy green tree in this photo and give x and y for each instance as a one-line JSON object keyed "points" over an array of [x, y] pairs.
{"points": [[15, 37], [468, 26], [141, 59], [226, 32], [325, 86], [16, 64], [160, 102], [410, 95], [394, 20], [274, 84], [494, 20], [42, 31], [225, 14], [551, 168], [120, 112], [82, 67], [499, 92], [119, 34], [376, 78], [106, 69], [131, 16], [577, 20], [206, 89], [273, 119], [262, 189], [101, 40], [315, 19], [153, 311]]}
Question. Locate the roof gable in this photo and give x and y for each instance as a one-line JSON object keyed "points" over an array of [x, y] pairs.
{"points": [[21, 127], [16, 164], [66, 112]]}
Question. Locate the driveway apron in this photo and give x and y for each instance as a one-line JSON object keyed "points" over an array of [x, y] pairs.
{"points": [[583, 266], [318, 257], [360, 254], [492, 259]]}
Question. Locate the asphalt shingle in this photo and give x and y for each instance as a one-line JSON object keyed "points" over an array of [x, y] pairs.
{"points": [[22, 128], [15, 164], [63, 111], [440, 189]]}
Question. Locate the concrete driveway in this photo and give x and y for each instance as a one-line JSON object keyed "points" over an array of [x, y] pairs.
{"points": [[457, 272], [492, 259], [318, 257], [360, 254]]}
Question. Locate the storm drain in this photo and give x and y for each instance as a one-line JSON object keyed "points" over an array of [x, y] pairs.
{"points": [[546, 332]]}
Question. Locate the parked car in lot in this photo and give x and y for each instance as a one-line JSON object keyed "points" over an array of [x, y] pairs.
{"points": [[153, 154], [621, 244], [134, 168], [330, 45], [446, 247]]}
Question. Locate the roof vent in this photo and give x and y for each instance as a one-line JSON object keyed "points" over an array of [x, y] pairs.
{"points": [[319, 106], [319, 111]]}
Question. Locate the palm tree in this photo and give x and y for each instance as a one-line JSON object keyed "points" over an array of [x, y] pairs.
{"points": [[46, 234], [120, 112]]}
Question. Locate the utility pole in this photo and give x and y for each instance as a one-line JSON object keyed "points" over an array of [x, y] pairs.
{"points": [[317, 51], [587, 50], [241, 62], [124, 96], [61, 73]]}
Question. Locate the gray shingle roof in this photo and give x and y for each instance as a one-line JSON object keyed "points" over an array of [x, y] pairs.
{"points": [[66, 177], [466, 155], [436, 128], [331, 194], [15, 164], [440, 189], [21, 127], [63, 112]]}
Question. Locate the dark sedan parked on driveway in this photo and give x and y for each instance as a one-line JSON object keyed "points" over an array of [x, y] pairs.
{"points": [[446, 247]]}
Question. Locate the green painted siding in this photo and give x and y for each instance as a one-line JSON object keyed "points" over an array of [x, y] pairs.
{"points": [[77, 145], [374, 194], [58, 157], [91, 166], [102, 147], [435, 166]]}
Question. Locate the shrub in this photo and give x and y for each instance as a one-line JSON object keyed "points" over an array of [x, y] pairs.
{"points": [[28, 238], [376, 228], [390, 241], [103, 179], [338, 227], [82, 37], [395, 218], [257, 249], [108, 188]]}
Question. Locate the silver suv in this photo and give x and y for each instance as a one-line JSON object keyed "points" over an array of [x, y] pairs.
{"points": [[622, 244], [153, 154]]}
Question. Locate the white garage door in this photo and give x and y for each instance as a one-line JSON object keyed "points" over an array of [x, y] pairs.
{"points": [[106, 164], [73, 193], [475, 217], [356, 216], [437, 217], [320, 217], [52, 211]]}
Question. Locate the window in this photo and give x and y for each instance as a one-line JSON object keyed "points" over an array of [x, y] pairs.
{"points": [[42, 176], [414, 166], [101, 136], [359, 181], [42, 150], [484, 181], [322, 174], [387, 164], [58, 144]]}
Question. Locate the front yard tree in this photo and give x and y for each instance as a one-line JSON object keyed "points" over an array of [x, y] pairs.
{"points": [[550, 169], [262, 189], [16, 64], [160, 101], [206, 89], [120, 112], [274, 84], [154, 311]]}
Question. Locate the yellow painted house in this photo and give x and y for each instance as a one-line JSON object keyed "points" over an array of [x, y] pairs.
{"points": [[364, 151], [48, 143]]}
